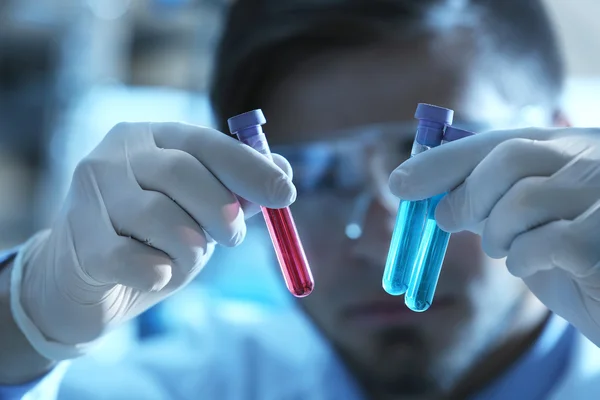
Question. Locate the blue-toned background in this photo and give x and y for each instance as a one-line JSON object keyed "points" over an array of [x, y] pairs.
{"points": [[70, 70]]}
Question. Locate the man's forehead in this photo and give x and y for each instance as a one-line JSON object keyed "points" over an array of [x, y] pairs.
{"points": [[379, 84]]}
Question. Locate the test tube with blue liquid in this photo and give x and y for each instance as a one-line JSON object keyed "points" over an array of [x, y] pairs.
{"points": [[412, 215], [432, 247]]}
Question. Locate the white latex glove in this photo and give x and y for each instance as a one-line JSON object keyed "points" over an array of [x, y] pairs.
{"points": [[134, 229], [534, 197]]}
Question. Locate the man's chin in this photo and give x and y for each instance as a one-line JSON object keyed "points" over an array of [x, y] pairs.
{"points": [[397, 360], [402, 382], [409, 385]]}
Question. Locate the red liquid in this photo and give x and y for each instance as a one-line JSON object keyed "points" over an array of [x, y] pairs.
{"points": [[290, 253]]}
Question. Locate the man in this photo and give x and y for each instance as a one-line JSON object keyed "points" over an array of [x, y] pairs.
{"points": [[338, 82]]}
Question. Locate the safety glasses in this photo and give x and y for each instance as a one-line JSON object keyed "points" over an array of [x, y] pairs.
{"points": [[347, 160], [338, 177]]}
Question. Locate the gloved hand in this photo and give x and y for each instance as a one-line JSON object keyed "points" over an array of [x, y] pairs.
{"points": [[141, 219], [534, 197]]}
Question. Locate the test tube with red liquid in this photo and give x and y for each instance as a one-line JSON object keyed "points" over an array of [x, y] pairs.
{"points": [[280, 223]]}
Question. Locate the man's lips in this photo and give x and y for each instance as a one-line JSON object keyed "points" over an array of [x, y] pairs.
{"points": [[393, 311]]}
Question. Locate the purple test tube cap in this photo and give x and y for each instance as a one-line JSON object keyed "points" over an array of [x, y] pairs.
{"points": [[452, 133], [246, 120], [433, 113], [432, 121]]}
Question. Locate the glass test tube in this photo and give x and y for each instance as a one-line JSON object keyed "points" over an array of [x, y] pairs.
{"points": [[412, 215], [432, 249], [280, 223]]}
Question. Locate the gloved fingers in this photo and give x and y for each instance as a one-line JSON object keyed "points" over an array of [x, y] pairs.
{"points": [[505, 166], [536, 250], [581, 250], [549, 287], [533, 202], [240, 168], [445, 167], [158, 222], [250, 208], [441, 169], [572, 246], [283, 164], [563, 296], [173, 174], [557, 290], [132, 264], [571, 289]]}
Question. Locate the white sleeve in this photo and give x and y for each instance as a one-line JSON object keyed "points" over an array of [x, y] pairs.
{"points": [[92, 380], [44, 388], [227, 353], [176, 366]]}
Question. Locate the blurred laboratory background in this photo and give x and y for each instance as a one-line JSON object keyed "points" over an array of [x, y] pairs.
{"points": [[71, 69]]}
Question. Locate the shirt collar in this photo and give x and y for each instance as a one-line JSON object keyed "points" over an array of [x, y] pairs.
{"points": [[535, 374]]}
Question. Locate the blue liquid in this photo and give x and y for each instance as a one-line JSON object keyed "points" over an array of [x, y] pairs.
{"points": [[410, 223], [428, 264]]}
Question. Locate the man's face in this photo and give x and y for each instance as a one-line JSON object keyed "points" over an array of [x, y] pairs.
{"points": [[477, 301]]}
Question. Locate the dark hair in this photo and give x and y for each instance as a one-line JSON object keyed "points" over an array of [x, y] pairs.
{"points": [[259, 34]]}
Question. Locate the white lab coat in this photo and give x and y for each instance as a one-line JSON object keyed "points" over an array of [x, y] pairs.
{"points": [[582, 378], [243, 354], [228, 351]]}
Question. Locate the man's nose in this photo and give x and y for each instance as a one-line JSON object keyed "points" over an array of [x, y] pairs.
{"points": [[376, 227]]}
